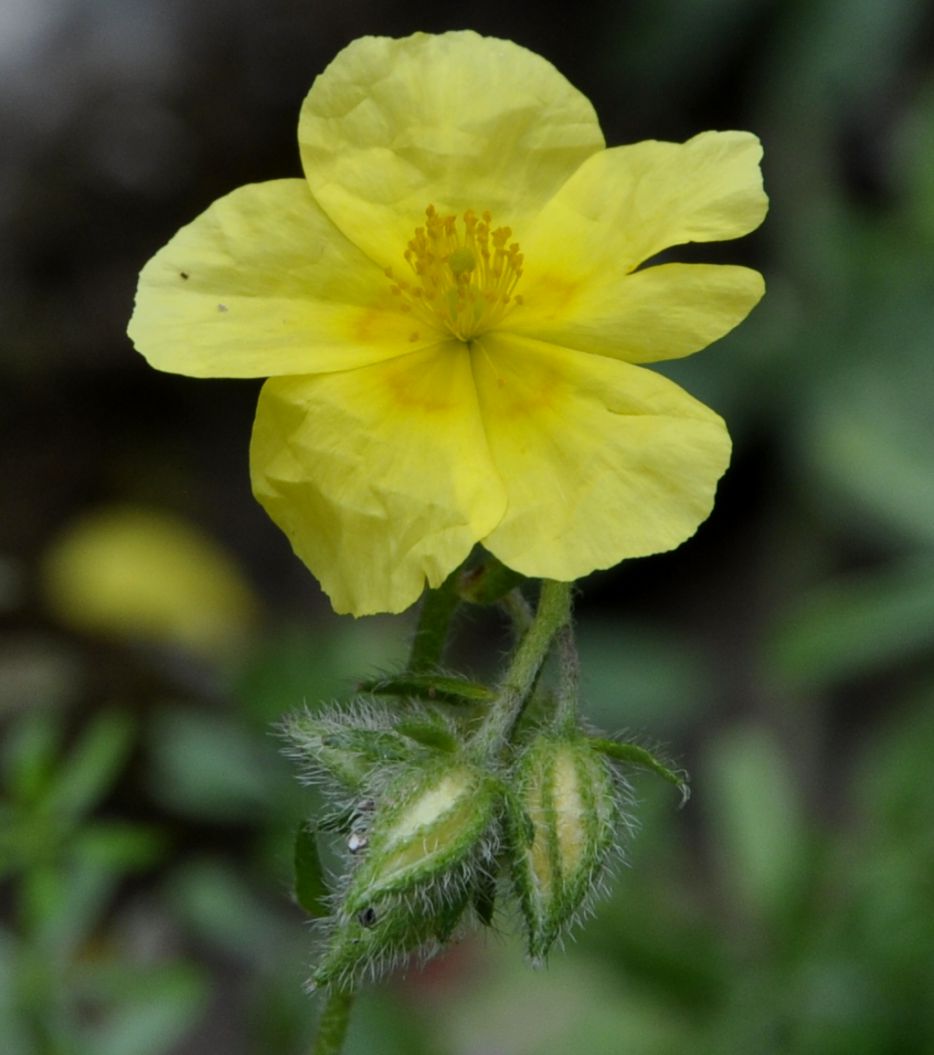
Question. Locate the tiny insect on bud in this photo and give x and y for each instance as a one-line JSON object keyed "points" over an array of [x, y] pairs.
{"points": [[358, 841], [562, 822], [368, 917]]}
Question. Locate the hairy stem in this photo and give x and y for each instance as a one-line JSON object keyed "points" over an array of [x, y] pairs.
{"points": [[434, 621], [568, 679], [332, 1029], [553, 612], [519, 611]]}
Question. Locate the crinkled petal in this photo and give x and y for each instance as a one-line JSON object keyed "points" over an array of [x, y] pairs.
{"points": [[602, 460], [380, 477], [626, 204], [455, 120], [661, 312], [263, 284]]}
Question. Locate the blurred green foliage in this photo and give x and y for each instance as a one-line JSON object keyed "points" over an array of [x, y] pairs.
{"points": [[785, 656], [68, 987]]}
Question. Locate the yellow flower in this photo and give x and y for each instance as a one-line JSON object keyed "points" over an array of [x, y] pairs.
{"points": [[451, 311]]}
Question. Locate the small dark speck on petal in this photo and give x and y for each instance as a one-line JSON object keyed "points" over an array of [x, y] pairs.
{"points": [[184, 274], [221, 307]]}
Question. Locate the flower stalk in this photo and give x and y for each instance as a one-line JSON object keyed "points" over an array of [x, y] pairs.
{"points": [[553, 613], [433, 627], [568, 694], [332, 1029]]}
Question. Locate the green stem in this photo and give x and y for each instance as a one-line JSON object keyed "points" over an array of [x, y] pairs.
{"points": [[519, 611], [569, 676], [553, 612], [333, 1025], [434, 621]]}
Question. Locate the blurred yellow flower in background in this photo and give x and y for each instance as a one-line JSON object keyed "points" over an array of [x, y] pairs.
{"points": [[451, 311], [138, 573]]}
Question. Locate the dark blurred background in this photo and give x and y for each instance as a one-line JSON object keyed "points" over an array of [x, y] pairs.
{"points": [[154, 624]]}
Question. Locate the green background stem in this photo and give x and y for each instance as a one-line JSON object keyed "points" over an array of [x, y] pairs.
{"points": [[332, 1029]]}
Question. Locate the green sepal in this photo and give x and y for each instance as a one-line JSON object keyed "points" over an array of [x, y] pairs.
{"points": [[484, 898], [487, 582], [635, 755], [369, 745], [435, 735], [371, 943], [431, 687], [337, 822], [449, 915], [519, 823], [342, 746], [350, 755], [383, 935], [311, 889]]}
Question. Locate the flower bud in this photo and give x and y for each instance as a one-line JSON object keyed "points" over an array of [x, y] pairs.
{"points": [[562, 820], [382, 936], [430, 826], [429, 840]]}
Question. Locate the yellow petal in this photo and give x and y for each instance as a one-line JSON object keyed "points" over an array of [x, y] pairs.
{"points": [[263, 284], [662, 312], [380, 477], [602, 460], [626, 204], [455, 120]]}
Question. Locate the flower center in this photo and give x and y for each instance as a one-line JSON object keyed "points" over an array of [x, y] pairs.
{"points": [[464, 275]]}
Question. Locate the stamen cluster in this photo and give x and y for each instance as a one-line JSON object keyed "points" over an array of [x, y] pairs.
{"points": [[465, 277]]}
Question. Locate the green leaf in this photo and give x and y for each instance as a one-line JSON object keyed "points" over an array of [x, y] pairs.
{"points": [[222, 907], [757, 821], [30, 749], [432, 687], [91, 767], [146, 1011], [856, 625], [311, 889], [205, 765], [63, 903], [119, 847]]}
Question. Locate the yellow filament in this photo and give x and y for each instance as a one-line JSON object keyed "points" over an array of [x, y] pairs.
{"points": [[464, 278]]}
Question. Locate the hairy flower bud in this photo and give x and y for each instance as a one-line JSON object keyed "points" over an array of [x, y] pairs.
{"points": [[431, 837], [431, 822], [562, 821], [382, 936]]}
